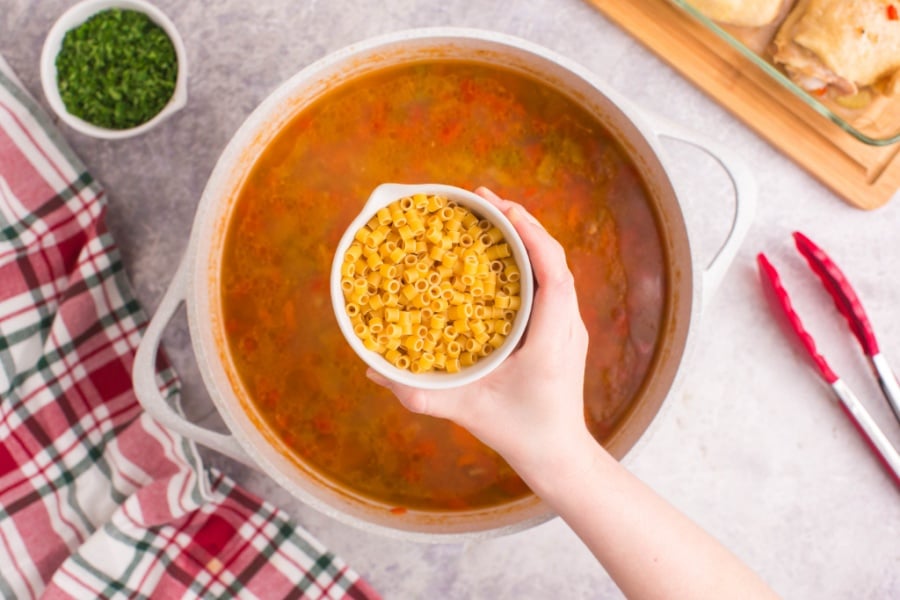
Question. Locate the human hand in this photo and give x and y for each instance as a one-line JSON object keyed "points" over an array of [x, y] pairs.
{"points": [[530, 409]]}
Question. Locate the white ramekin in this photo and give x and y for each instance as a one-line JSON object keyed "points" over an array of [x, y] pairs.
{"points": [[435, 380], [75, 16]]}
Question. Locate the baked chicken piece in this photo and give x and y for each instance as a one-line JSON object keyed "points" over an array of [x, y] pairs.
{"points": [[743, 13], [844, 45]]}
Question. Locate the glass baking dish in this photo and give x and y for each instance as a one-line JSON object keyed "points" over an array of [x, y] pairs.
{"points": [[877, 123]]}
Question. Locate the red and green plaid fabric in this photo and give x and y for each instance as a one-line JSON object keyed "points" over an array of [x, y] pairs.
{"points": [[97, 500]]}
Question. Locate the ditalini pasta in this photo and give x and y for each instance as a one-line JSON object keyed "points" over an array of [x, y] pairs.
{"points": [[429, 285]]}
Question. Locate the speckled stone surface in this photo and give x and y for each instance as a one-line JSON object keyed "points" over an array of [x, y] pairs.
{"points": [[751, 447]]}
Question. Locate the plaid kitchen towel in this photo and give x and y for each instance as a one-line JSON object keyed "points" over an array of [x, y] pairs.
{"points": [[97, 500]]}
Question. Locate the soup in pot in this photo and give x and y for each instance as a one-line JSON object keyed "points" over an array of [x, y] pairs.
{"points": [[465, 124]]}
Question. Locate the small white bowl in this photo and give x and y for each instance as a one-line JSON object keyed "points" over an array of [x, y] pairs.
{"points": [[75, 16], [434, 380]]}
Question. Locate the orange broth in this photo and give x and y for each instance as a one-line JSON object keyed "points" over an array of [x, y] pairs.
{"points": [[463, 124]]}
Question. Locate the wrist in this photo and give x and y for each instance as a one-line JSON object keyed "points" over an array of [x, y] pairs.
{"points": [[555, 471]]}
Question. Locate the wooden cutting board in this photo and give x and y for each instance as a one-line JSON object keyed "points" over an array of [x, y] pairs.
{"points": [[865, 176]]}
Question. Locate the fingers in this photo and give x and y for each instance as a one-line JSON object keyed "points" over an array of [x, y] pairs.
{"points": [[493, 198], [548, 258], [555, 294], [547, 255]]}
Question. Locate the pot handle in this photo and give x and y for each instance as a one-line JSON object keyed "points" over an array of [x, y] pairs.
{"points": [[745, 194], [143, 377]]}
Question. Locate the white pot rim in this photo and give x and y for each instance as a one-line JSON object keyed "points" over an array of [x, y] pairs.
{"points": [[201, 272]]}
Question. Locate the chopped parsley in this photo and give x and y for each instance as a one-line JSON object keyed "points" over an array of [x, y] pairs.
{"points": [[117, 69]]}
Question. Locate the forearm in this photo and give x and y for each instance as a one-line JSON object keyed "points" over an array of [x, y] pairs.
{"points": [[650, 549]]}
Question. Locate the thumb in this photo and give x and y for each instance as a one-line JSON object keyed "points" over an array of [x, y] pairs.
{"points": [[414, 399]]}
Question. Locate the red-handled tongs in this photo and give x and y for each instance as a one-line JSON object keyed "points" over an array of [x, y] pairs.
{"points": [[847, 302]]}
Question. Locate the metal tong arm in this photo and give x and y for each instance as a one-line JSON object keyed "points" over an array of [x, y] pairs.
{"points": [[853, 408], [849, 305], [866, 425]]}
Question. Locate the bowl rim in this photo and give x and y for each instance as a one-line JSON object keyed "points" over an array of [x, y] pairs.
{"points": [[75, 16], [384, 195]]}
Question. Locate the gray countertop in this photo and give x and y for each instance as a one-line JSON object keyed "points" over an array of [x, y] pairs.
{"points": [[751, 446]]}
